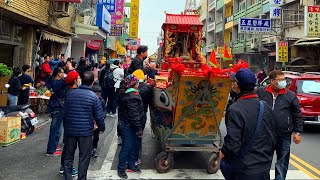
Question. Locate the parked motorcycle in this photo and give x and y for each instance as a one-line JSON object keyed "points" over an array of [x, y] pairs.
{"points": [[28, 117]]}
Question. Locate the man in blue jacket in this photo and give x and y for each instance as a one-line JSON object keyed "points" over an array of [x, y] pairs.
{"points": [[82, 107]]}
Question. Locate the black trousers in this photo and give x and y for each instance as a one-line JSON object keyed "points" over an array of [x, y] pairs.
{"points": [[95, 138], [85, 148]]}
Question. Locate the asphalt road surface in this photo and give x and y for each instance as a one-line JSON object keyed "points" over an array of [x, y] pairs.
{"points": [[27, 160]]}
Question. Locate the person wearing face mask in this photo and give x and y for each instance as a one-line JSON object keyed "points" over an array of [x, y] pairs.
{"points": [[249, 145], [286, 109], [137, 62]]}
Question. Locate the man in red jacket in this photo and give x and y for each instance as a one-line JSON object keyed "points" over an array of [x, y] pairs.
{"points": [[46, 70]]}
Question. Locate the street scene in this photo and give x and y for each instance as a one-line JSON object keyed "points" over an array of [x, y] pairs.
{"points": [[140, 89]]}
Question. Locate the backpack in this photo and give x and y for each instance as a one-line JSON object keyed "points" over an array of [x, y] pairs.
{"points": [[108, 80]]}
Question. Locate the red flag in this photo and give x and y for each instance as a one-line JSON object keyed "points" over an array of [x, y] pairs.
{"points": [[213, 61], [225, 52]]}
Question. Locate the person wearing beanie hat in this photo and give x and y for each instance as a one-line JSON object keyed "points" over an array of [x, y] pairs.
{"points": [[249, 145], [72, 79], [130, 114], [139, 74]]}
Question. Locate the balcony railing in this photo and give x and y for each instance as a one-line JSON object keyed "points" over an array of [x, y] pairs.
{"points": [[212, 5], [211, 27]]}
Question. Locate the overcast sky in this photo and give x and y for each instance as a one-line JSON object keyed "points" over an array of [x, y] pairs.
{"points": [[151, 18]]}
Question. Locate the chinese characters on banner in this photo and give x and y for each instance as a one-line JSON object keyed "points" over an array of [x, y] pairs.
{"points": [[254, 26], [134, 19], [117, 19], [220, 50], [275, 9], [312, 20], [109, 4], [282, 52]]}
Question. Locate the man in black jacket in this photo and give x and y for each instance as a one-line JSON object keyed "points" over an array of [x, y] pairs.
{"points": [[137, 62], [249, 154], [287, 114]]}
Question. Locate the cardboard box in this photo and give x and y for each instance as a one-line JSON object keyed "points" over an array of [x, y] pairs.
{"points": [[9, 130]]}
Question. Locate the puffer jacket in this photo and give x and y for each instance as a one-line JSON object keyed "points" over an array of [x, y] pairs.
{"points": [[241, 124], [131, 109], [81, 107], [286, 110]]}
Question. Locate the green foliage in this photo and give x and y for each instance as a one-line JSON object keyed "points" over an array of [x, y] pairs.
{"points": [[5, 70]]}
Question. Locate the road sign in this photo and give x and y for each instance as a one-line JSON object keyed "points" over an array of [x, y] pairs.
{"points": [[254, 26]]}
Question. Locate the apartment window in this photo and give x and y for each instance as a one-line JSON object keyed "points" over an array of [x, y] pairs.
{"points": [[230, 36], [242, 5], [253, 2], [316, 2]]}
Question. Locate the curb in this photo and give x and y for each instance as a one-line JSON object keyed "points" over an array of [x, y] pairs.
{"points": [[42, 125]]}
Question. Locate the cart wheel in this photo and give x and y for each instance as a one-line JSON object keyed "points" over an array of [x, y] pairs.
{"points": [[213, 163], [164, 162]]}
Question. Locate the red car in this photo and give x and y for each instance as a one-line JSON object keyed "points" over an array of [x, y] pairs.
{"points": [[307, 88]]}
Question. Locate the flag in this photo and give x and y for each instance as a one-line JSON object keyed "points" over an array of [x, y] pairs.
{"points": [[226, 54], [213, 61]]}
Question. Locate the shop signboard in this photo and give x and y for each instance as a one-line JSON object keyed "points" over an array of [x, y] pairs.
{"points": [[110, 5], [312, 21], [275, 9], [254, 26], [282, 52], [117, 19], [134, 19], [103, 18]]}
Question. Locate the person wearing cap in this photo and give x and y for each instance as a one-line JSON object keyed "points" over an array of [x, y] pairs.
{"points": [[145, 92], [287, 113], [73, 81], [249, 145], [130, 113]]}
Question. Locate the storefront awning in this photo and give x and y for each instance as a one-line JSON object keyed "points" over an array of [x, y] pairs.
{"points": [[94, 45], [307, 42], [120, 49], [88, 32], [54, 37]]}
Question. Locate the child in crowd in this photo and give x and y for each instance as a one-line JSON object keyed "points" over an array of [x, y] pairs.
{"points": [[98, 90]]}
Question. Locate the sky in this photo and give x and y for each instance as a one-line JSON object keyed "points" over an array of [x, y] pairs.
{"points": [[151, 18]]}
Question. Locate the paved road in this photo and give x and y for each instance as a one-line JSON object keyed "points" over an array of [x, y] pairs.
{"points": [[26, 159]]}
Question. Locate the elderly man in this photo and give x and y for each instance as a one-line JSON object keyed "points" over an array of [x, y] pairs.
{"points": [[82, 107], [248, 147]]}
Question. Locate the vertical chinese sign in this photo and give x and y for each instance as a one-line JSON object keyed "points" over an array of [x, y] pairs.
{"points": [[282, 52], [311, 21], [134, 19], [275, 9], [117, 19]]}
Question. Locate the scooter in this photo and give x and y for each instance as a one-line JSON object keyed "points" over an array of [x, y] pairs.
{"points": [[28, 117]]}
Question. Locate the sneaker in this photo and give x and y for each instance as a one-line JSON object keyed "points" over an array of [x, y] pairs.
{"points": [[94, 153], [74, 171], [134, 169], [61, 171], [138, 162], [58, 148], [113, 115], [122, 175], [119, 141], [23, 136], [57, 153]]}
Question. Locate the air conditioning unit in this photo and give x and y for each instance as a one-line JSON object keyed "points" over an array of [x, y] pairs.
{"points": [[254, 43], [262, 16], [61, 9]]}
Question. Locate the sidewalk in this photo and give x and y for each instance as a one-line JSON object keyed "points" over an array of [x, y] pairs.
{"points": [[43, 120]]}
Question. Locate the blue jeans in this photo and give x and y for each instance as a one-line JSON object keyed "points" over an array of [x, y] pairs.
{"points": [[283, 156], [13, 100], [55, 130], [129, 141]]}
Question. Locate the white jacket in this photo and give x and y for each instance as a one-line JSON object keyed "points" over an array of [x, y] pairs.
{"points": [[118, 75]]}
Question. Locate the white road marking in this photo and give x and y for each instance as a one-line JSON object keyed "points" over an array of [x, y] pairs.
{"points": [[107, 173]]}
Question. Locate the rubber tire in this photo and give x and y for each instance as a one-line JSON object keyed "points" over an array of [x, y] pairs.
{"points": [[213, 163], [160, 167]]}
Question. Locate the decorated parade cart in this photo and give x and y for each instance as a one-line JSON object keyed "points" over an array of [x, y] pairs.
{"points": [[189, 97]]}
